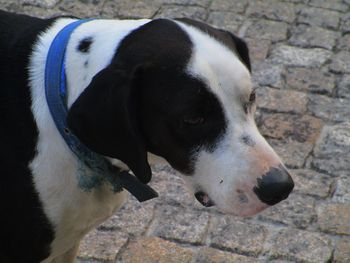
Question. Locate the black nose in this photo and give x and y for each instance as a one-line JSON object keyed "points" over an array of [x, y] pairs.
{"points": [[274, 186]]}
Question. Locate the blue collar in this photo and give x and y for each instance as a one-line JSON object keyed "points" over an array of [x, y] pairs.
{"points": [[94, 169]]}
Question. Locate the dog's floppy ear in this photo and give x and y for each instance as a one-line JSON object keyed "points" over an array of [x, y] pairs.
{"points": [[105, 119], [241, 48]]}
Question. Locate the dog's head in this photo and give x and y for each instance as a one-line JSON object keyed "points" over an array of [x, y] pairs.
{"points": [[182, 90]]}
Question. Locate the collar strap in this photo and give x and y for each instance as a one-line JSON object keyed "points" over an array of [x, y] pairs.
{"points": [[94, 169]]}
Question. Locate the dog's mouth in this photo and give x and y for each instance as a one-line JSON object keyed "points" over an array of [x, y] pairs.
{"points": [[204, 199]]}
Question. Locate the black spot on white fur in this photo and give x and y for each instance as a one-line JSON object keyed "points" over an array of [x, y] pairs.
{"points": [[84, 45]]}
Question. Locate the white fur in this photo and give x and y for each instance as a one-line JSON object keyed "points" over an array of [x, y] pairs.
{"points": [[71, 211], [229, 173]]}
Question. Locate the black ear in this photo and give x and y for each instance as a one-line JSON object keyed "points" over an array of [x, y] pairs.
{"points": [[242, 49], [105, 119]]}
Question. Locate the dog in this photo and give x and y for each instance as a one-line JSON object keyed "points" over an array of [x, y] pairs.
{"points": [[169, 90]]}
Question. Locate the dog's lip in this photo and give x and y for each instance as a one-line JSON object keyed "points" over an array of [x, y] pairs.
{"points": [[204, 199]]}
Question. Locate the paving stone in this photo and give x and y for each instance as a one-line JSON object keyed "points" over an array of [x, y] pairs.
{"points": [[185, 225], [76, 8], [340, 62], [133, 217], [343, 89], [266, 74], [225, 20], [301, 246], [171, 189], [203, 3], [267, 29], [210, 255], [312, 183], [194, 12], [313, 37], [337, 5], [292, 153], [295, 56], [298, 211], [331, 153], [342, 189], [154, 249], [130, 9], [331, 109], [258, 49], [344, 43], [39, 11], [342, 251], [286, 101], [40, 3], [345, 27], [303, 128], [310, 80], [102, 245], [235, 6], [272, 9], [231, 233], [319, 17], [334, 218]]}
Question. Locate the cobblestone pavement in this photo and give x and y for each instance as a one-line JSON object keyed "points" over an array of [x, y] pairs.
{"points": [[300, 51]]}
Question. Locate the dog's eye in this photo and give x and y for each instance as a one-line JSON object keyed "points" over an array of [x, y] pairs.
{"points": [[252, 97], [193, 120]]}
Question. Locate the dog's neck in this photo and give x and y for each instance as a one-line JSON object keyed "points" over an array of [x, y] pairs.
{"points": [[103, 38]]}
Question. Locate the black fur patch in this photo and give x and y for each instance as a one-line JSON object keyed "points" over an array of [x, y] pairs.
{"points": [[236, 44], [147, 84], [84, 44], [25, 231]]}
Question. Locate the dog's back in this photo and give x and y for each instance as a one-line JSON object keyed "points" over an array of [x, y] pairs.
{"points": [[23, 225]]}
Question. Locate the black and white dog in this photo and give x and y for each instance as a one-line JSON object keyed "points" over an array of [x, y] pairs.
{"points": [[187, 97]]}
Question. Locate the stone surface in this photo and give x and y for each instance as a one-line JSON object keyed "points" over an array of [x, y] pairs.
{"points": [[210, 255], [235, 6], [313, 37], [280, 11], [242, 237], [265, 74], [344, 42], [334, 218], [190, 225], [342, 189], [342, 250], [226, 20], [154, 250], [293, 153], [343, 89], [102, 245], [340, 62], [301, 246], [310, 80], [338, 5], [330, 109], [266, 29], [258, 49], [331, 153], [295, 56], [195, 12], [130, 9], [299, 128], [312, 183], [298, 211], [319, 17], [133, 217], [41, 3], [89, 9], [286, 101]]}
